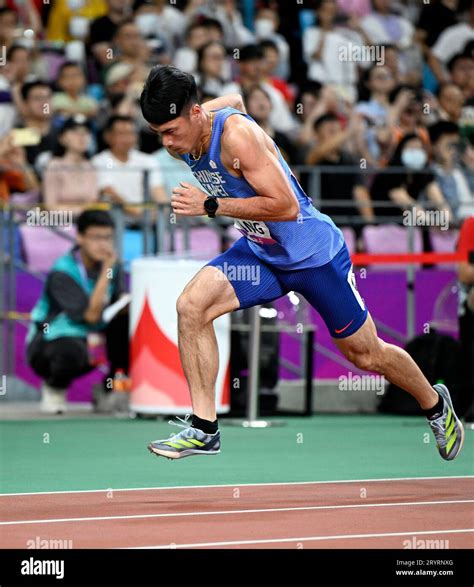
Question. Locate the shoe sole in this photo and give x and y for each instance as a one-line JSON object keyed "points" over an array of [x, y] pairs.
{"points": [[180, 455], [447, 398]]}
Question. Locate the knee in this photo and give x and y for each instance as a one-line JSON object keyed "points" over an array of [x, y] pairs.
{"points": [[189, 310], [367, 359]]}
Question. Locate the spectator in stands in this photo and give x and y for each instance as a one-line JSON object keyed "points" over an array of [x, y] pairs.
{"points": [[196, 37], [12, 77], [354, 8], [103, 29], [132, 49], [267, 23], [450, 43], [72, 99], [405, 189], [434, 19], [36, 98], [461, 71], [158, 17], [467, 164], [70, 20], [259, 107], [382, 26], [211, 68], [8, 23], [121, 168], [331, 140], [466, 312], [236, 34], [322, 48], [70, 180], [251, 72], [406, 114], [376, 114], [271, 61], [449, 176], [15, 173], [78, 288], [450, 102]]}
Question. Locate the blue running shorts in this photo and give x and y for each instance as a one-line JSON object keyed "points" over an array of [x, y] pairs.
{"points": [[330, 289]]}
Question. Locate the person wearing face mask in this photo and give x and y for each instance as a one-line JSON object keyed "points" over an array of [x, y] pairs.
{"points": [[404, 188], [267, 22], [448, 174]]}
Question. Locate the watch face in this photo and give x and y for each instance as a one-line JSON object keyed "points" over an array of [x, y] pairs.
{"points": [[211, 205]]}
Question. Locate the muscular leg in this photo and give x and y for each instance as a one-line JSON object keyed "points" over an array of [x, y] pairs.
{"points": [[370, 353], [206, 297]]}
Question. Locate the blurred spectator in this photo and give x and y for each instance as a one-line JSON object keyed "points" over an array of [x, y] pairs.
{"points": [[406, 114], [250, 62], [451, 42], [467, 164], [121, 168], [313, 101], [461, 71], [331, 139], [406, 188], [15, 173], [357, 8], [267, 23], [434, 18], [322, 47], [271, 60], [12, 77], [211, 68], [376, 114], [78, 288], [71, 99], [235, 33], [449, 176], [158, 18], [197, 35], [132, 49], [450, 102], [383, 27], [70, 20], [259, 107], [8, 23], [36, 114], [103, 29], [466, 311], [70, 180]]}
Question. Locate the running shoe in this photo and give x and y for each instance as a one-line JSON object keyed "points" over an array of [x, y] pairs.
{"points": [[447, 428], [189, 441]]}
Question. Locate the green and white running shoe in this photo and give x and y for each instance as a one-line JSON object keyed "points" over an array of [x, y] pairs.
{"points": [[190, 441], [447, 428]]}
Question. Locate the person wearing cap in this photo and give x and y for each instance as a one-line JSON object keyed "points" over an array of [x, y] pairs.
{"points": [[70, 180]]}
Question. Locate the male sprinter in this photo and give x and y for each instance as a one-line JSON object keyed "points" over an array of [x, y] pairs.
{"points": [[294, 246]]}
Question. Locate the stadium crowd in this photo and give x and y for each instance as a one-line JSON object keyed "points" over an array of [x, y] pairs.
{"points": [[372, 84]]}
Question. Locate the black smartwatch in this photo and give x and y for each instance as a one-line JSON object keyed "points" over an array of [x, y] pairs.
{"points": [[210, 206]]}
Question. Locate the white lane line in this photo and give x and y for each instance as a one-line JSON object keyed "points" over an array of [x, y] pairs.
{"points": [[302, 539], [290, 483], [229, 512]]}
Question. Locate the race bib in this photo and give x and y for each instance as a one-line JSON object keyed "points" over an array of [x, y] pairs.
{"points": [[255, 231]]}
